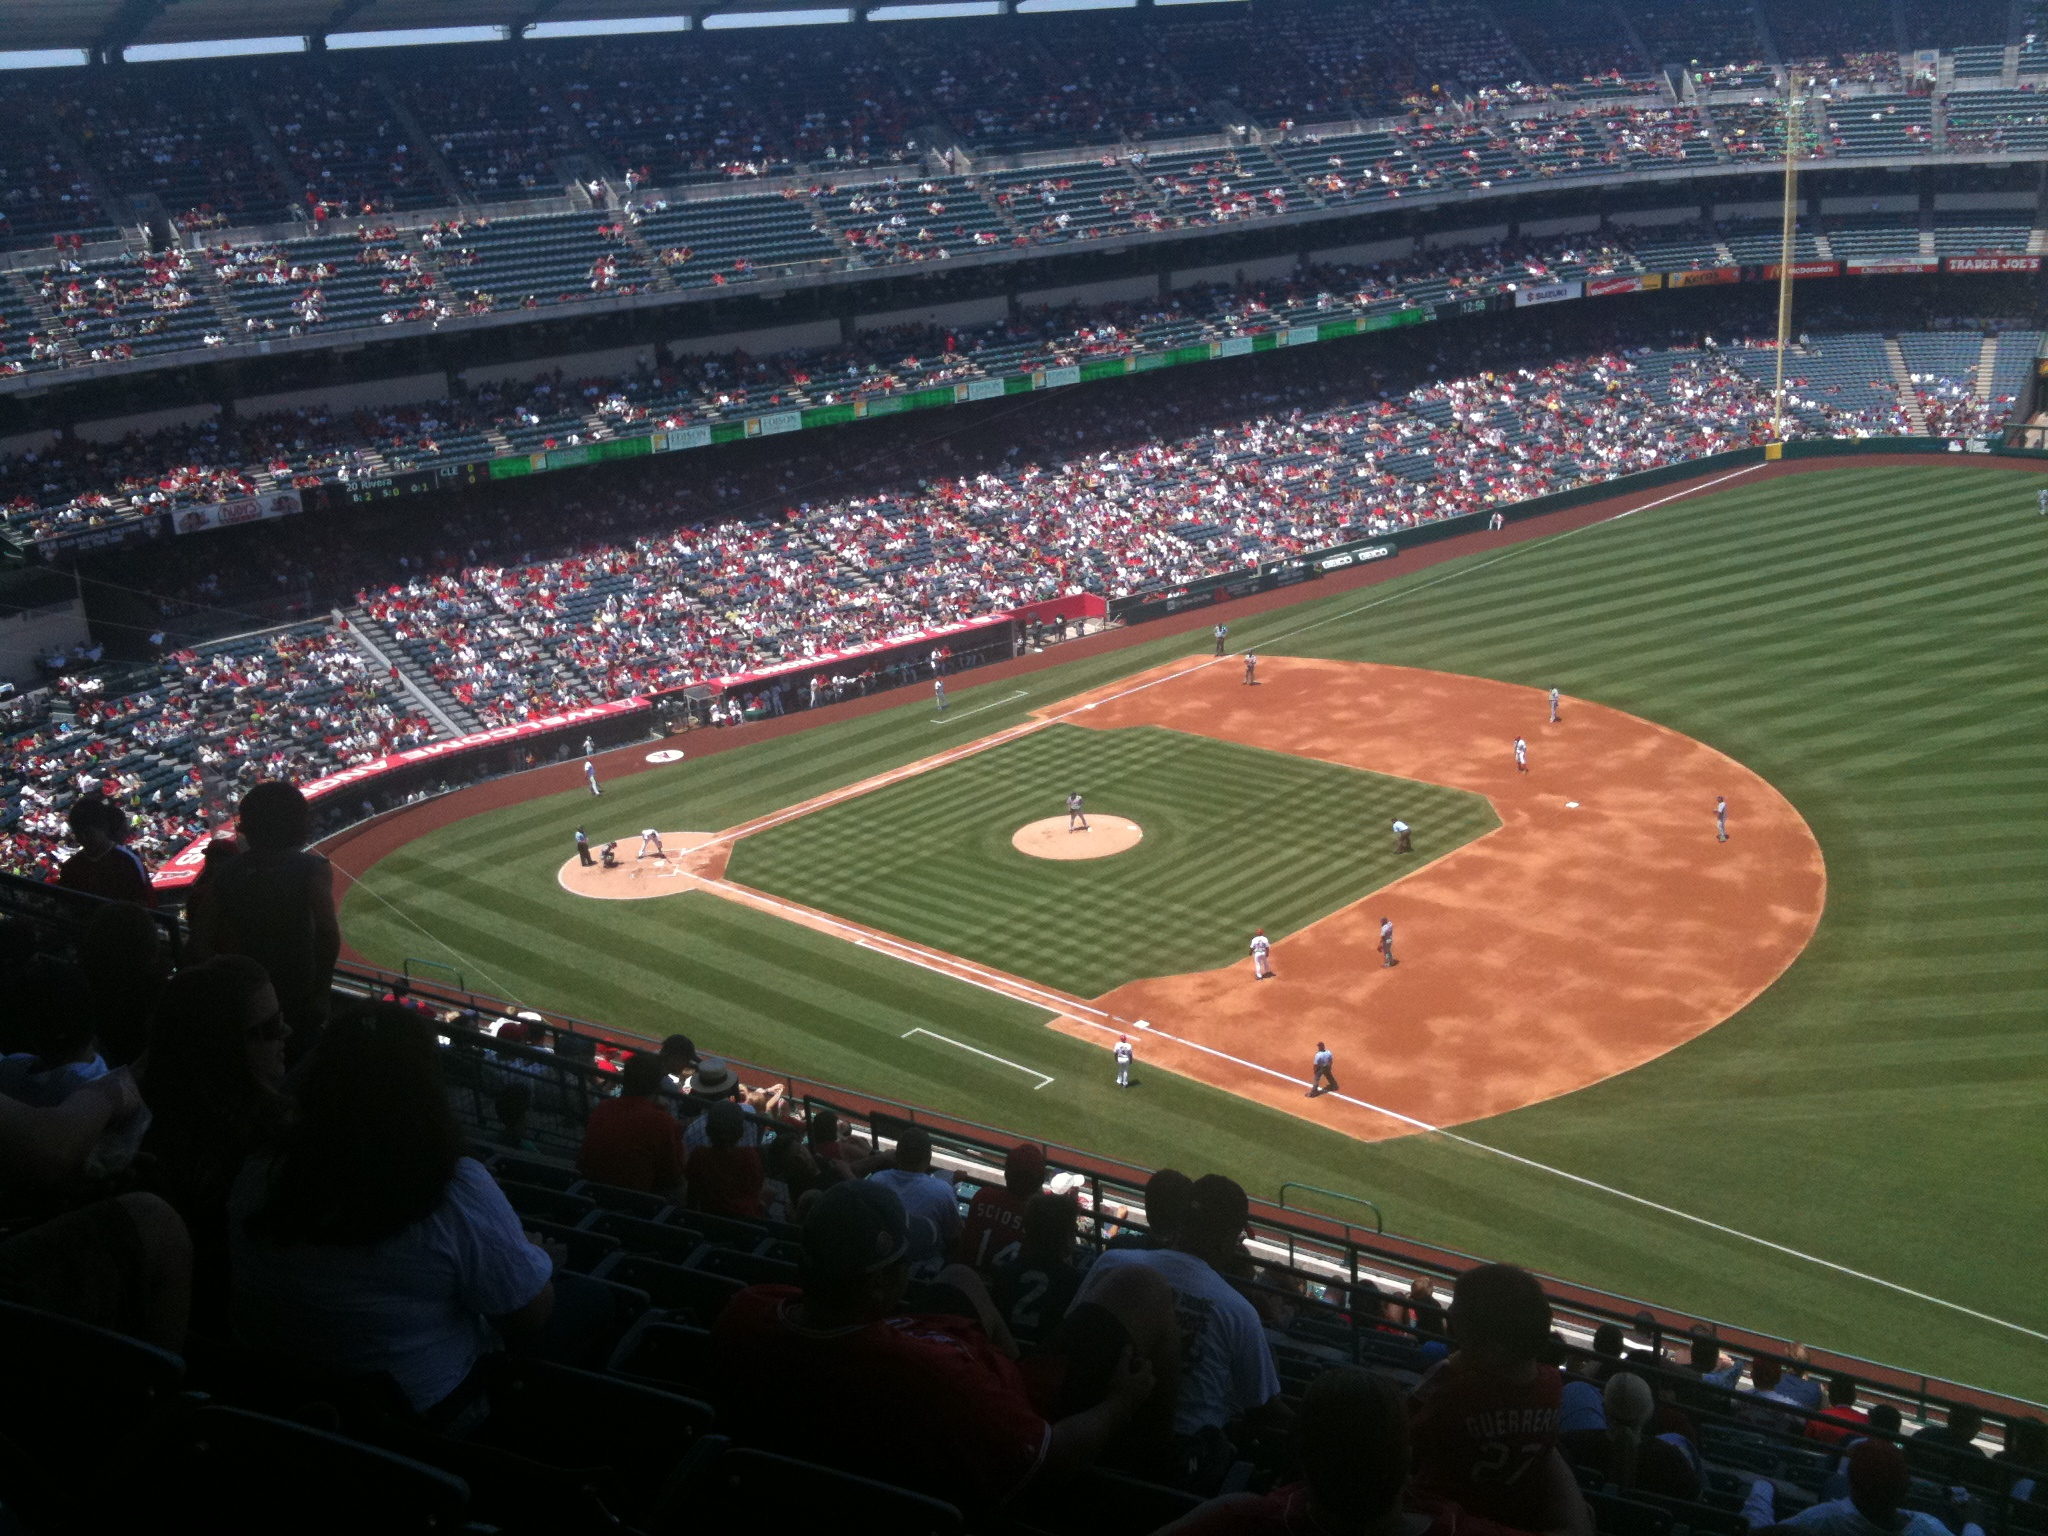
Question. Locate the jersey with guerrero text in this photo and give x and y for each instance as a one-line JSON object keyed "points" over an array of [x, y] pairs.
{"points": [[1479, 1436]]}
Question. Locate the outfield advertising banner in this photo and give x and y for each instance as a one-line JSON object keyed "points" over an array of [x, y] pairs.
{"points": [[232, 514], [1880, 266], [1548, 293], [1641, 282], [1801, 270], [1704, 278], [2006, 263], [1269, 577]]}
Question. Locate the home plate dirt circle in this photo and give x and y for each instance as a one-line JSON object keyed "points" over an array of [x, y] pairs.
{"points": [[1050, 839], [637, 879]]}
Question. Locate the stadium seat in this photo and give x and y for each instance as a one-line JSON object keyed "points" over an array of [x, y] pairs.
{"points": [[658, 1239], [666, 1354], [1616, 1515], [546, 1204], [216, 1469], [697, 1294], [632, 1202], [723, 1483]]}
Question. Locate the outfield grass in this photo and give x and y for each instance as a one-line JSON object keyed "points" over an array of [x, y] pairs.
{"points": [[1871, 640], [1236, 839]]}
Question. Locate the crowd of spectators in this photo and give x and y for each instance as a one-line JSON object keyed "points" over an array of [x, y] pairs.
{"points": [[226, 1158]]}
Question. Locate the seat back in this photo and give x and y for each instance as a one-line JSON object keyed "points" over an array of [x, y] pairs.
{"points": [[723, 1483]]}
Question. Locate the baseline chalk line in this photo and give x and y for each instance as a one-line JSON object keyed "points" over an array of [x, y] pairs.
{"points": [[962, 1045]]}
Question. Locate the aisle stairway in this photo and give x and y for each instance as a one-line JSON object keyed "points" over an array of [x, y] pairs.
{"points": [[1909, 397]]}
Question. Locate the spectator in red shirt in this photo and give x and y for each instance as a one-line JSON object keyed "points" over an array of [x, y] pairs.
{"points": [[630, 1141], [1841, 1421], [1486, 1419], [725, 1178], [1351, 1441], [941, 1409], [995, 1217]]}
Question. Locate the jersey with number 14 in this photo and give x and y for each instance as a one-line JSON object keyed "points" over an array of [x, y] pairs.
{"points": [[1478, 1438]]}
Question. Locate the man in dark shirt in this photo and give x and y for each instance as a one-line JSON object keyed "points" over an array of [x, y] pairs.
{"points": [[1034, 1288]]}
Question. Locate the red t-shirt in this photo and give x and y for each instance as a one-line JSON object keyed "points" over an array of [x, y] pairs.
{"points": [[940, 1409], [726, 1181], [1845, 1424], [1478, 1437], [630, 1142], [1285, 1512], [994, 1230]]}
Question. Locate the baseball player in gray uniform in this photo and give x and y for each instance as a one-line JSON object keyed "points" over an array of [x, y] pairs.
{"points": [[1262, 948], [1123, 1054], [1386, 941], [1251, 667], [1553, 706], [1720, 818], [1077, 820]]}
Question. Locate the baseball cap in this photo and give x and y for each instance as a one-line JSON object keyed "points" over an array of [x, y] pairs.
{"points": [[1877, 1472], [1025, 1160], [856, 1228]]}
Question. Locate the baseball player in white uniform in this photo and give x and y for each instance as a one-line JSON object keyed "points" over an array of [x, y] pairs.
{"points": [[1123, 1054], [939, 693], [1553, 706], [1077, 819], [1521, 755], [649, 838], [1262, 949], [1720, 818], [2042, 500], [1251, 667], [590, 776]]}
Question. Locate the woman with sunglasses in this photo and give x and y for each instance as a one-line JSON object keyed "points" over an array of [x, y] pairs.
{"points": [[211, 1078]]}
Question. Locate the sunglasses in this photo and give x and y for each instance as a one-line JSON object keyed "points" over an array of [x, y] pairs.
{"points": [[271, 1029]]}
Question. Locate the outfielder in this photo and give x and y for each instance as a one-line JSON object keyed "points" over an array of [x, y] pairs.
{"points": [[590, 776], [1262, 949], [1077, 819], [1123, 1054], [2043, 500], [1251, 668], [1386, 941], [650, 837], [1521, 755], [1720, 818], [1324, 1079], [1553, 706]]}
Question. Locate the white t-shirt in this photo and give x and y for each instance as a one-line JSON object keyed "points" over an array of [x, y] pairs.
{"points": [[417, 1305], [1226, 1363]]}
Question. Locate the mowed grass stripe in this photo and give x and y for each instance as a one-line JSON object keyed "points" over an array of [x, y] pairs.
{"points": [[1235, 839]]}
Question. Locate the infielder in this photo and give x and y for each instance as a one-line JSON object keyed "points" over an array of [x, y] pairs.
{"points": [[1401, 843], [1077, 819], [1123, 1054], [1720, 818], [1223, 630], [590, 776], [583, 848], [1324, 1079], [939, 693], [1251, 668], [650, 837], [1521, 755], [1262, 949], [1386, 942], [1553, 706]]}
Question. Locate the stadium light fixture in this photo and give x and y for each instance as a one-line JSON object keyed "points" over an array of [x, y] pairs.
{"points": [[541, 31], [416, 37], [936, 12], [1040, 7], [732, 21], [212, 48]]}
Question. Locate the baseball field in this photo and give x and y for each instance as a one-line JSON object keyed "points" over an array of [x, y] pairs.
{"points": [[1798, 1079]]}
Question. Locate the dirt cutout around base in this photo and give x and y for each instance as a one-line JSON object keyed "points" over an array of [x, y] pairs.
{"points": [[684, 862], [1569, 945], [1053, 839]]}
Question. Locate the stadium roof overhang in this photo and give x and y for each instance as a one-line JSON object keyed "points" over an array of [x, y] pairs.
{"points": [[103, 28]]}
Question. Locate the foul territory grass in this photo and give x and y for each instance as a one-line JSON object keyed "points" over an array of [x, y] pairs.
{"points": [[1871, 640], [1236, 839]]}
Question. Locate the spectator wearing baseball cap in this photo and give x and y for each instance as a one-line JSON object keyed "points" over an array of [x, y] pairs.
{"points": [[995, 1216], [725, 1178], [629, 1141], [942, 1410], [1878, 1484]]}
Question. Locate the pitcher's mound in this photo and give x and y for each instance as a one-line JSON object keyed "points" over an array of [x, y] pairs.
{"points": [[638, 879], [1050, 839]]}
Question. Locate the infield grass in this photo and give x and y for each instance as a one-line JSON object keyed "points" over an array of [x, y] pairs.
{"points": [[1236, 839], [1870, 640]]}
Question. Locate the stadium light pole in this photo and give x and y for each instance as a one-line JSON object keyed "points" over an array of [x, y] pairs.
{"points": [[1786, 247]]}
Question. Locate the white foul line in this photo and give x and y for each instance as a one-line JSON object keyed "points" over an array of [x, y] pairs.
{"points": [[978, 1051], [947, 719]]}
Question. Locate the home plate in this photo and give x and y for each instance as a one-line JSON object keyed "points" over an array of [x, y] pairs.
{"points": [[665, 755]]}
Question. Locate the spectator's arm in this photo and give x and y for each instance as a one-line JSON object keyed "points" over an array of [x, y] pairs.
{"points": [[969, 1284], [1078, 1439], [1565, 1508], [326, 925], [48, 1146], [1760, 1504]]}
